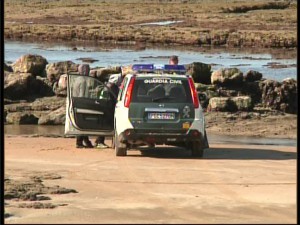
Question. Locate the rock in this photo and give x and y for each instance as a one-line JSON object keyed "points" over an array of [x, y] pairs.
{"points": [[21, 118], [243, 103], [280, 96], [200, 72], [48, 103], [227, 77], [230, 104], [34, 64], [44, 87], [19, 85], [7, 68], [203, 87], [103, 73], [54, 70], [218, 104], [47, 110], [252, 75], [56, 117]]}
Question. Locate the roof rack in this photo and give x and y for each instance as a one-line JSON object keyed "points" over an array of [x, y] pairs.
{"points": [[151, 68]]}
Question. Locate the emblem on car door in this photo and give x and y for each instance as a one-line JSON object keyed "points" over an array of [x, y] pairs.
{"points": [[186, 112]]}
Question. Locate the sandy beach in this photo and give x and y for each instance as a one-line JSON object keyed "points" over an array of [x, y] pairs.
{"points": [[48, 180]]}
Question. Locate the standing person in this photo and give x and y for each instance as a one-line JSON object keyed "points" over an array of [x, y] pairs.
{"points": [[80, 91], [99, 143], [173, 60]]}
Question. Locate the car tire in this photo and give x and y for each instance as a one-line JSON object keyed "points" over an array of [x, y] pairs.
{"points": [[120, 148], [197, 149]]}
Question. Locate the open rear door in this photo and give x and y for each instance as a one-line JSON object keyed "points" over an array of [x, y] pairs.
{"points": [[90, 107]]}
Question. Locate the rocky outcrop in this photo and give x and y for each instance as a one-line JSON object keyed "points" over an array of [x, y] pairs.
{"points": [[257, 6], [103, 73], [227, 77], [230, 104], [54, 70], [200, 72], [25, 85], [280, 96], [34, 64], [252, 75], [21, 118], [32, 99], [19, 85], [56, 117], [46, 110]]}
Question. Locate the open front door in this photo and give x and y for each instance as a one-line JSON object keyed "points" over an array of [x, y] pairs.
{"points": [[90, 107]]}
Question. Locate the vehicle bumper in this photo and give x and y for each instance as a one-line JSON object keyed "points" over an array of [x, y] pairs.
{"points": [[131, 136]]}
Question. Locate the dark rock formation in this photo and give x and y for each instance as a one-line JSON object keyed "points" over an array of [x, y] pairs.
{"points": [[200, 72], [280, 96]]}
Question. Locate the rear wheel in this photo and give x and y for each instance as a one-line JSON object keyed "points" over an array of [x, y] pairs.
{"points": [[119, 147], [197, 149]]}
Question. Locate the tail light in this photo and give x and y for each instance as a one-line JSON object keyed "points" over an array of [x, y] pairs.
{"points": [[129, 92], [193, 93]]}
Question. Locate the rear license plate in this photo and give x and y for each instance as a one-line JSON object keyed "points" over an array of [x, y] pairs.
{"points": [[161, 116]]}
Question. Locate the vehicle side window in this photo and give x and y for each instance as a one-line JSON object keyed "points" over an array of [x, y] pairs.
{"points": [[87, 87]]}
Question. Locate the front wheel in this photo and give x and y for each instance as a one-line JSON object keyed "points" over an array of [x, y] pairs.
{"points": [[197, 149], [120, 148]]}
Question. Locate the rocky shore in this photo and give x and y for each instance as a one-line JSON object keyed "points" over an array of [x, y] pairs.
{"points": [[267, 24], [33, 94]]}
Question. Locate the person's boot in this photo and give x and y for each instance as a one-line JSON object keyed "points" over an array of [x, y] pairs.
{"points": [[88, 144], [79, 145]]}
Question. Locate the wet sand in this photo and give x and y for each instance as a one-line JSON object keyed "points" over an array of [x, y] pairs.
{"points": [[231, 184]]}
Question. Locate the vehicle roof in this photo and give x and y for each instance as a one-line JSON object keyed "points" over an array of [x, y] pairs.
{"points": [[160, 75]]}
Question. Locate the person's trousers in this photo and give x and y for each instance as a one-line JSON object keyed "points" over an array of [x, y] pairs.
{"points": [[80, 139], [100, 139]]}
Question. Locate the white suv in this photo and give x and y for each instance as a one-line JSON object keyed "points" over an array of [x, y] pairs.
{"points": [[159, 105]]}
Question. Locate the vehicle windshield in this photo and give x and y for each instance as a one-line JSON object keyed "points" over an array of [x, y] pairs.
{"points": [[157, 89]]}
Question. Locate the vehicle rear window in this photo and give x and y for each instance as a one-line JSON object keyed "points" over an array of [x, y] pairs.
{"points": [[156, 89]]}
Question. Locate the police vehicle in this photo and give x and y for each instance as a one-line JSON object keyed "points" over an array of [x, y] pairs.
{"points": [[156, 105]]}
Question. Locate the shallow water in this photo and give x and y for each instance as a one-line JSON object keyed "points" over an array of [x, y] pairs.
{"points": [[107, 55], [39, 130]]}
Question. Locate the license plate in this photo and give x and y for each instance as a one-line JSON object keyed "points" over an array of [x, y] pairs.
{"points": [[161, 116]]}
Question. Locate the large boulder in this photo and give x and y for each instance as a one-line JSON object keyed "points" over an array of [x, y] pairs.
{"points": [[44, 87], [200, 72], [280, 96], [243, 103], [227, 77], [230, 104], [252, 75], [19, 85], [54, 70], [103, 74], [219, 104], [56, 117], [34, 64], [21, 118]]}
